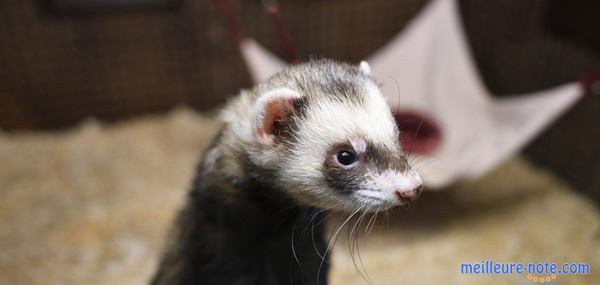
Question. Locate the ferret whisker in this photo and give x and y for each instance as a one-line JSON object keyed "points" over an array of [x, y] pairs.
{"points": [[416, 136], [430, 159], [313, 214], [281, 212], [305, 227], [401, 125], [333, 233], [292, 240], [333, 240], [397, 87], [411, 158], [303, 235], [322, 256], [305, 232], [374, 223], [353, 232], [387, 218], [313, 224], [372, 220], [330, 244], [313, 236], [349, 240], [362, 270]]}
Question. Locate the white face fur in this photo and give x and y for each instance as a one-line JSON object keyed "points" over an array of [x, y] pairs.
{"points": [[343, 154]]}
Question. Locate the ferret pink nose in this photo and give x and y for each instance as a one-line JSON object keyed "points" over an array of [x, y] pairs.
{"points": [[410, 195]]}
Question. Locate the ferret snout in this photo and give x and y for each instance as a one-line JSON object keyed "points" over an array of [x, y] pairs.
{"points": [[410, 195], [399, 188]]}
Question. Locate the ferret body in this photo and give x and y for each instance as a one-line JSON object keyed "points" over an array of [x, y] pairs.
{"points": [[317, 136]]}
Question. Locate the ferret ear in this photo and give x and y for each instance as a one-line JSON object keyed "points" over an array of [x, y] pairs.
{"points": [[271, 109], [365, 68]]}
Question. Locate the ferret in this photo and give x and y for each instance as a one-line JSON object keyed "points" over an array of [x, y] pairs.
{"points": [[317, 136]]}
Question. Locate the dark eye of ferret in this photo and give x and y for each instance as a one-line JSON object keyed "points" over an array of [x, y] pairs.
{"points": [[346, 157]]}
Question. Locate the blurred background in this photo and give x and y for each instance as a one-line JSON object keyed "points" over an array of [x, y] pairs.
{"points": [[65, 61]]}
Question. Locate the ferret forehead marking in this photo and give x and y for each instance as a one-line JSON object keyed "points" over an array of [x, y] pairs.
{"points": [[358, 144], [329, 120]]}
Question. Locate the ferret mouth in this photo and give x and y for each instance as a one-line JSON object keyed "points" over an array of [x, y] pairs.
{"points": [[374, 200]]}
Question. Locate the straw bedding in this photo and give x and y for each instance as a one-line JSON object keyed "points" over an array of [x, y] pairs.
{"points": [[91, 205]]}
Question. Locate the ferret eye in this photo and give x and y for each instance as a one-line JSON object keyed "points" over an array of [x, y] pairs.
{"points": [[346, 157]]}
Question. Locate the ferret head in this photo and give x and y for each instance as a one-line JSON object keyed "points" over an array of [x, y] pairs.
{"points": [[323, 132]]}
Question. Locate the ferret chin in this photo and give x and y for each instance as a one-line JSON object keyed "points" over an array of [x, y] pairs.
{"points": [[317, 136]]}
